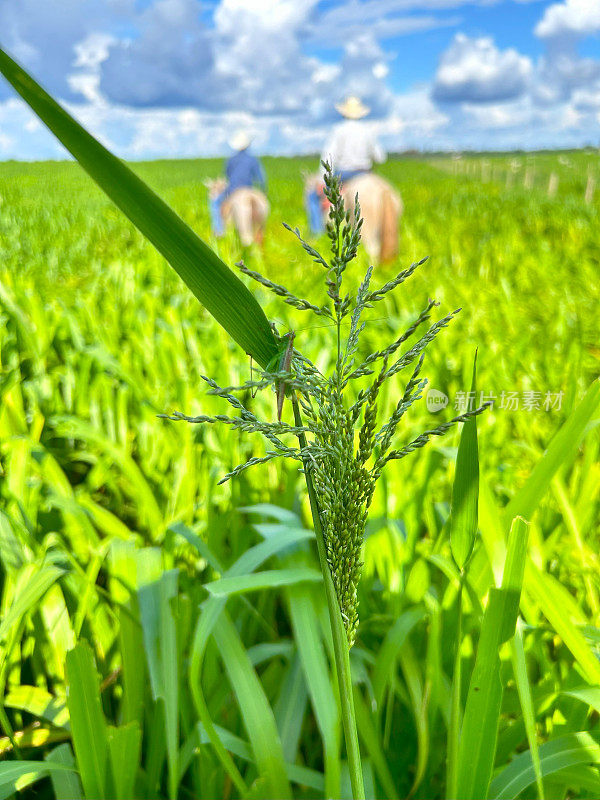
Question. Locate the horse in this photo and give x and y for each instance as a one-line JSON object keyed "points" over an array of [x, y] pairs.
{"points": [[247, 208], [381, 208]]}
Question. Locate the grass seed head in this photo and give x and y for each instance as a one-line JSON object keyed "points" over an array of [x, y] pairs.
{"points": [[344, 474]]}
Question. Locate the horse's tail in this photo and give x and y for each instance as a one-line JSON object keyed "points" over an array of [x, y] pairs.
{"points": [[389, 226], [241, 208], [260, 210]]}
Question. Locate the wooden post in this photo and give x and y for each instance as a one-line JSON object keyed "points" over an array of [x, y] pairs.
{"points": [[590, 188], [529, 178], [552, 184]]}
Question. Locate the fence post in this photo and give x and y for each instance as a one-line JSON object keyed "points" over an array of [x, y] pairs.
{"points": [[529, 178], [590, 187]]}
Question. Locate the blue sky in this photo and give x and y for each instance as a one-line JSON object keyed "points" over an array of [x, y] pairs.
{"points": [[175, 78]]}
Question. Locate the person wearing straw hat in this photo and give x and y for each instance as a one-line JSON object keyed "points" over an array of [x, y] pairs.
{"points": [[242, 170], [351, 149]]}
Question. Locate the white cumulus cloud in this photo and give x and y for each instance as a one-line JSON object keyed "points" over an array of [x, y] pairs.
{"points": [[571, 18], [474, 70]]}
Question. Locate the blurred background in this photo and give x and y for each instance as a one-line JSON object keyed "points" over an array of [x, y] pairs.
{"points": [[171, 78]]}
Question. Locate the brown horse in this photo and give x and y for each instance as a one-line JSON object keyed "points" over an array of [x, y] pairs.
{"points": [[381, 208], [247, 208]]}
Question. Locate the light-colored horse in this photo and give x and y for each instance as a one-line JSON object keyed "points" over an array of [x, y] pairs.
{"points": [[381, 208], [247, 208]]}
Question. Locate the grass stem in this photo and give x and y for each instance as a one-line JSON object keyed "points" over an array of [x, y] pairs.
{"points": [[455, 706]]}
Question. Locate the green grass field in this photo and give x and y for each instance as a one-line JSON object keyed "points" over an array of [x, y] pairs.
{"points": [[112, 522]]}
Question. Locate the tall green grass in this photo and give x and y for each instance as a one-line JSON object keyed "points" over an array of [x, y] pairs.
{"points": [[163, 636]]}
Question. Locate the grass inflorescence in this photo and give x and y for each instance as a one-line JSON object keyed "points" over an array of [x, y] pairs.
{"points": [[347, 445]]}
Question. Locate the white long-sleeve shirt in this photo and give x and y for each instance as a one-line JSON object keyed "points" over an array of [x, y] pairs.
{"points": [[352, 146]]}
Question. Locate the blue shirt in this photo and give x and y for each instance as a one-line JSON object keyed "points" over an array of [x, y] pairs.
{"points": [[244, 169]]}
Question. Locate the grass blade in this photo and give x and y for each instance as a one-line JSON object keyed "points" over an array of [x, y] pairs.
{"points": [[553, 600], [32, 585], [289, 709], [463, 529], [90, 735], [388, 654], [125, 748], [212, 609], [156, 597], [296, 773], [561, 451], [524, 690], [257, 581], [372, 742], [66, 784], [419, 701], [256, 712], [39, 703], [305, 625], [564, 751], [455, 723], [16, 775], [586, 554], [482, 711], [214, 284], [587, 694], [131, 641], [579, 777], [465, 490]]}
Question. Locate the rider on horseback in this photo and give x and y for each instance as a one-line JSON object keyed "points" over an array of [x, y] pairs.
{"points": [[242, 170], [351, 149]]}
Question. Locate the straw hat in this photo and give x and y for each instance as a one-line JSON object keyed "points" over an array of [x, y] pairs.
{"points": [[353, 108], [240, 140]]}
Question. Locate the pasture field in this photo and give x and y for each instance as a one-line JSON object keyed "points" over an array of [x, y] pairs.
{"points": [[112, 522]]}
